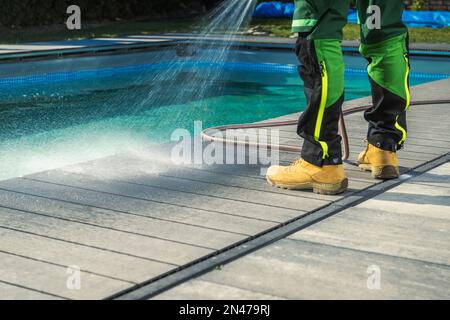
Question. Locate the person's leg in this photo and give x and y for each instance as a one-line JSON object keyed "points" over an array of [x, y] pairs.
{"points": [[319, 24], [386, 49], [322, 69]]}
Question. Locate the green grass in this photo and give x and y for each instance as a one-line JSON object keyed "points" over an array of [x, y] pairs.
{"points": [[282, 28], [277, 28], [430, 35], [103, 30]]}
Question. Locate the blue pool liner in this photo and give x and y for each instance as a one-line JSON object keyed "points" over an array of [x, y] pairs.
{"points": [[413, 19], [55, 77]]}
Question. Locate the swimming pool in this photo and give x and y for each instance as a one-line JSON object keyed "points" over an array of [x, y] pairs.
{"points": [[59, 112]]}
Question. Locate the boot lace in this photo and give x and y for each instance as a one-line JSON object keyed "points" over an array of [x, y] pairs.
{"points": [[294, 164]]}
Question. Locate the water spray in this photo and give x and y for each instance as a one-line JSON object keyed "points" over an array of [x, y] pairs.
{"points": [[202, 56]]}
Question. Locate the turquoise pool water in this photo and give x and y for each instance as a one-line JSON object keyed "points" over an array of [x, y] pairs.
{"points": [[51, 124]]}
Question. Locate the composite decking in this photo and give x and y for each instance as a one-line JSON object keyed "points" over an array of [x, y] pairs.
{"points": [[74, 46], [400, 236], [129, 218], [40, 48]]}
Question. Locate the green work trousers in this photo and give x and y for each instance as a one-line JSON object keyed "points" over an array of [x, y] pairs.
{"points": [[384, 43]]}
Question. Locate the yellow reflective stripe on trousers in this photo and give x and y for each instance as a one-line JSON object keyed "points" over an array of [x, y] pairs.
{"points": [[323, 103], [400, 129], [408, 101], [408, 94]]}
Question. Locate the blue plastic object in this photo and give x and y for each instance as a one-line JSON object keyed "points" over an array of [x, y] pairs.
{"points": [[274, 9], [413, 19]]}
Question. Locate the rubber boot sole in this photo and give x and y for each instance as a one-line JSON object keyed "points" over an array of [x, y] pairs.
{"points": [[381, 172], [316, 187]]}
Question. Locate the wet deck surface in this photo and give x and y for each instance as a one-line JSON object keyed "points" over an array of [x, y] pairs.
{"points": [[129, 218], [401, 237]]}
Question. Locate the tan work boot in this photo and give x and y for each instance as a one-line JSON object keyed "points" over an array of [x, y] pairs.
{"points": [[383, 164], [302, 175]]}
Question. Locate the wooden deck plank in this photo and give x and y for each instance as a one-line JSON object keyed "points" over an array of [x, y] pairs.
{"points": [[101, 238], [356, 140], [358, 144], [361, 132], [403, 232], [105, 263], [91, 201], [135, 175], [246, 171], [423, 201], [358, 179], [158, 229], [240, 182], [424, 135], [116, 189], [206, 290], [380, 231], [242, 173], [419, 120], [35, 275], [412, 145], [409, 221], [14, 292], [439, 177], [302, 270], [406, 162], [408, 154]]}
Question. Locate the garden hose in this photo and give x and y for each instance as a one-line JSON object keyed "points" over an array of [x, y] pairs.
{"points": [[343, 130]]}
